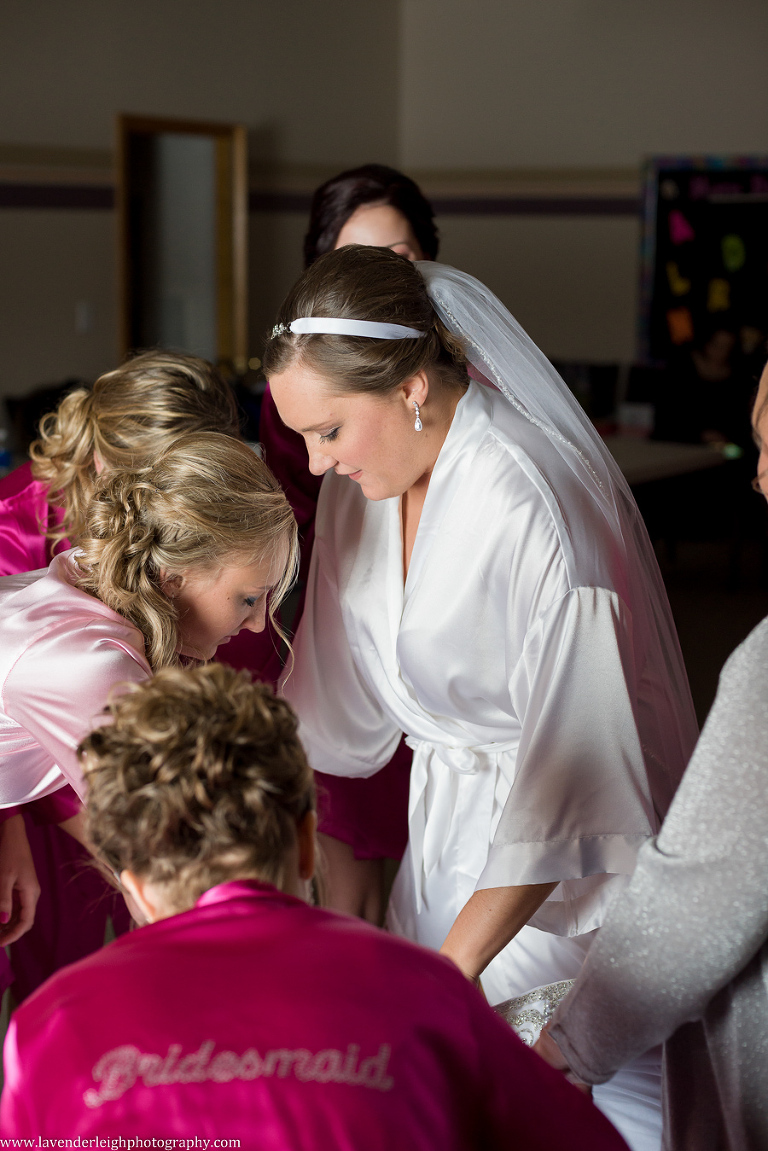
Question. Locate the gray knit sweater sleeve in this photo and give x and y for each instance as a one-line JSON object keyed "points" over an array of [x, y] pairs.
{"points": [[696, 910]]}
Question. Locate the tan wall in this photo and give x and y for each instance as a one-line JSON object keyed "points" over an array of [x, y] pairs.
{"points": [[276, 262], [51, 261], [430, 84], [557, 84], [570, 281], [316, 79], [314, 82]]}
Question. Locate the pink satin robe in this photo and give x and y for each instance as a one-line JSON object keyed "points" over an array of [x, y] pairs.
{"points": [[75, 902], [254, 1016], [62, 653]]}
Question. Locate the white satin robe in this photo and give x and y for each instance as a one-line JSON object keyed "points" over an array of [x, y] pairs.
{"points": [[547, 743], [62, 652]]}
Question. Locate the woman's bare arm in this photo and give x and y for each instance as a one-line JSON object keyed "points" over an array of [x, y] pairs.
{"points": [[488, 921]]}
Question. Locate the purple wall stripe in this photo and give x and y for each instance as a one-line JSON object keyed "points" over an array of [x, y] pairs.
{"points": [[90, 197]]}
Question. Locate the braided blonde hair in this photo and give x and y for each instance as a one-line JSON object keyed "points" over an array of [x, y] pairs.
{"points": [[207, 502], [129, 417], [199, 778]]}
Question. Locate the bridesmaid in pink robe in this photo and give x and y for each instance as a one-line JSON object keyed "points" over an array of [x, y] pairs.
{"points": [[146, 404], [74, 903], [362, 821], [314, 1030]]}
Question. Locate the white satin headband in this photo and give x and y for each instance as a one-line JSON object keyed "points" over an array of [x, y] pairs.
{"points": [[324, 325]]}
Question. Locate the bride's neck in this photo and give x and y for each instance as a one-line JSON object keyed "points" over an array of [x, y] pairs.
{"points": [[443, 402], [412, 501]]}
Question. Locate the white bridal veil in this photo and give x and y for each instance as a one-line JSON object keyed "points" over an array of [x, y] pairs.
{"points": [[499, 348]]}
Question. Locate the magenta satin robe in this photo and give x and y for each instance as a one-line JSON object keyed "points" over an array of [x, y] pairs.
{"points": [[254, 1016]]}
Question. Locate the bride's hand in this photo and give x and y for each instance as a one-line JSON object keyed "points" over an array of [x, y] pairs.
{"points": [[19, 889]]}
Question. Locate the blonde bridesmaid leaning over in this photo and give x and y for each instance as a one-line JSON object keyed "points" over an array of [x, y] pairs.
{"points": [[126, 420], [172, 562]]}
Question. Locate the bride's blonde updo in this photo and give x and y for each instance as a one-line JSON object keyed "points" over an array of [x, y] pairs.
{"points": [[362, 283], [208, 502], [129, 417]]}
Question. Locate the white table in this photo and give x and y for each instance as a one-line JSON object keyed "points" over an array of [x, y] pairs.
{"points": [[644, 460]]}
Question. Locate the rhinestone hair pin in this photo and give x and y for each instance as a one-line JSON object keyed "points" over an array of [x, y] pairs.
{"points": [[326, 325]]}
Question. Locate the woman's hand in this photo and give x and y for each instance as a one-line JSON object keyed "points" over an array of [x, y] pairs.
{"points": [[19, 889], [546, 1047], [488, 921]]}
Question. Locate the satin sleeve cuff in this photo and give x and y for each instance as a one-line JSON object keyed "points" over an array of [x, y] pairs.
{"points": [[338, 760], [590, 872], [513, 864]]}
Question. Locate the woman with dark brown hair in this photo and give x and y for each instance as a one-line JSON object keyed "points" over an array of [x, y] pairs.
{"points": [[362, 822], [375, 206]]}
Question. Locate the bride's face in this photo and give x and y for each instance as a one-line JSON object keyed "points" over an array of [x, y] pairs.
{"points": [[371, 439]]}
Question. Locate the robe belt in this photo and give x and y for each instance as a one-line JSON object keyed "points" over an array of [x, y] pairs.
{"points": [[427, 836]]}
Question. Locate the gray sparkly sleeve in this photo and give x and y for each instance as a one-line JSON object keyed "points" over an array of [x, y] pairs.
{"points": [[696, 909]]}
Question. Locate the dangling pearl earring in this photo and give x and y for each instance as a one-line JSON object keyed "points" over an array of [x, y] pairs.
{"points": [[418, 425]]}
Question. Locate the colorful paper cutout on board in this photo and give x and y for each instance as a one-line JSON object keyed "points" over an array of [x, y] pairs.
{"points": [[679, 228], [680, 323], [718, 296], [734, 252], [678, 284], [705, 222]]}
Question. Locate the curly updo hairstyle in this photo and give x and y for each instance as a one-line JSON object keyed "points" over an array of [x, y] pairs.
{"points": [[335, 201], [362, 283], [207, 502], [199, 778], [129, 416]]}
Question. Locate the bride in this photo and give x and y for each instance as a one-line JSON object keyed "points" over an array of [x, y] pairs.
{"points": [[481, 581]]}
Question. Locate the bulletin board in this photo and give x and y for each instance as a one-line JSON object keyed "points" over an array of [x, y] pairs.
{"points": [[704, 253]]}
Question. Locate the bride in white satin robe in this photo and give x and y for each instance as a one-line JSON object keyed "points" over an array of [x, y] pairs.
{"points": [[549, 722], [546, 746]]}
